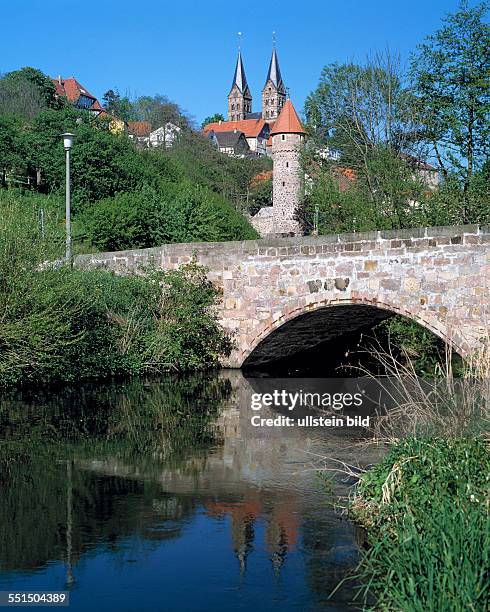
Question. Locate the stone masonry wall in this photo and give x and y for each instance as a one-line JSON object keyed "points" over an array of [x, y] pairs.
{"points": [[439, 277], [278, 219]]}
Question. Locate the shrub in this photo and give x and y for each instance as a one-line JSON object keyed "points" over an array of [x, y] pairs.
{"points": [[175, 212], [62, 325]]}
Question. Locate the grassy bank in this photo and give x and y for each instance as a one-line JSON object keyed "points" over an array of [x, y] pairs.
{"points": [[426, 511], [59, 325]]}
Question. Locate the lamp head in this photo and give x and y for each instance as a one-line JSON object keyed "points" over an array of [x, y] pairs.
{"points": [[67, 140]]}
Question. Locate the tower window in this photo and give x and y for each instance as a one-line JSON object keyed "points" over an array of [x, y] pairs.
{"points": [[283, 136], [284, 183], [232, 107], [287, 164]]}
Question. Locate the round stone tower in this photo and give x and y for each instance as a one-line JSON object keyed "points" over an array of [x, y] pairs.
{"points": [[288, 136]]}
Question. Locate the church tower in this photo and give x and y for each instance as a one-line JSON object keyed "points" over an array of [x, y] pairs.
{"points": [[274, 92], [239, 98]]}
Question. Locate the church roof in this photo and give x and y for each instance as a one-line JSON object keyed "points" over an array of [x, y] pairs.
{"points": [[250, 127], [274, 72], [239, 78], [288, 121]]}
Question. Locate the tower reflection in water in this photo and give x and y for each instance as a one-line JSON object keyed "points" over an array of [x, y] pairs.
{"points": [[143, 474]]}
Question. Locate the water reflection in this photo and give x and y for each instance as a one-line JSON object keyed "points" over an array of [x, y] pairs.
{"points": [[161, 496]]}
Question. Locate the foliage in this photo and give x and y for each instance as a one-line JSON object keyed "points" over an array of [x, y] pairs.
{"points": [[61, 325], [426, 506], [410, 340], [26, 92], [367, 116], [205, 165], [260, 194], [12, 149], [118, 106], [451, 75], [216, 118], [452, 204], [159, 110], [188, 184], [174, 212]]}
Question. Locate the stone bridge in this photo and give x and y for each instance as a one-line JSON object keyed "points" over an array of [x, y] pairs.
{"points": [[281, 296]]}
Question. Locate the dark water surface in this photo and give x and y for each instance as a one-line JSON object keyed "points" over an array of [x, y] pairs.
{"points": [[160, 496]]}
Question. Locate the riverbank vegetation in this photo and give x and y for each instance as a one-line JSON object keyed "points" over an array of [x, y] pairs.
{"points": [[426, 505], [426, 508], [60, 325]]}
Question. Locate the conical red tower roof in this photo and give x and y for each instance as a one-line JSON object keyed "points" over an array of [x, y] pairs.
{"points": [[288, 121]]}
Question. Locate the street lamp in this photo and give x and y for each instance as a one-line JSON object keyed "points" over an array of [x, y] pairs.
{"points": [[68, 142]]}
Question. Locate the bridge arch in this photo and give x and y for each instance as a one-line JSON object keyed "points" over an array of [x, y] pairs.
{"points": [[327, 311]]}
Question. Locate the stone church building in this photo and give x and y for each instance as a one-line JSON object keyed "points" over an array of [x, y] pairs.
{"points": [[276, 130], [273, 93]]}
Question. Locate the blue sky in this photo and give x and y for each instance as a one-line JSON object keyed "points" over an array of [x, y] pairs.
{"points": [[187, 50]]}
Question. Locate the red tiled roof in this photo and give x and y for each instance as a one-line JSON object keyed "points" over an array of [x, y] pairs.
{"points": [[96, 106], [250, 127], [71, 89], [288, 121], [139, 128]]}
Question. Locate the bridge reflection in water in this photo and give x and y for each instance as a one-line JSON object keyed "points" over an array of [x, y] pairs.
{"points": [[121, 494]]}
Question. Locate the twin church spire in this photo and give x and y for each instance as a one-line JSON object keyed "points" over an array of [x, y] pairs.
{"points": [[273, 93]]}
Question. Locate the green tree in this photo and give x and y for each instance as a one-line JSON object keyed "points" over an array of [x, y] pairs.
{"points": [[159, 110], [366, 114], [451, 74], [118, 106], [172, 212], [216, 118], [12, 152], [102, 163], [27, 91]]}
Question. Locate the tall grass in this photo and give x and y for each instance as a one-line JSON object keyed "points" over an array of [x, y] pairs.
{"points": [[447, 404], [426, 507]]}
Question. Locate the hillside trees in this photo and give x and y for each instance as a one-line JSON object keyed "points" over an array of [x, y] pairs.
{"points": [[216, 118], [26, 92], [451, 75], [366, 114]]}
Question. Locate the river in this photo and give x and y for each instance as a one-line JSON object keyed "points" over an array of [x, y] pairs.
{"points": [[161, 496]]}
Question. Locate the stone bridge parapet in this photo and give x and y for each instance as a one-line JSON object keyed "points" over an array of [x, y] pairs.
{"points": [[436, 276]]}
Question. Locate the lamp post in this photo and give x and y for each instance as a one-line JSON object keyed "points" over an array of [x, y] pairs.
{"points": [[68, 142]]}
